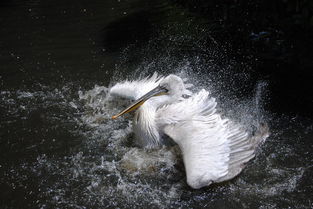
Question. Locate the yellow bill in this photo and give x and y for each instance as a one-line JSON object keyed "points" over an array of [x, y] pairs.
{"points": [[154, 92]]}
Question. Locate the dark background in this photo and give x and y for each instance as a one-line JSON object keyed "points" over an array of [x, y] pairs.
{"points": [[273, 37], [51, 156], [277, 36]]}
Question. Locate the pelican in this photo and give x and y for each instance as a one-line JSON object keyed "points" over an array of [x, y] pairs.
{"points": [[214, 149]]}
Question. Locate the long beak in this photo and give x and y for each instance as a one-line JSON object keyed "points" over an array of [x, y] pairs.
{"points": [[154, 92]]}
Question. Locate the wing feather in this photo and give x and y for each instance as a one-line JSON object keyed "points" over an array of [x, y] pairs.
{"points": [[135, 89], [204, 148], [243, 147], [214, 149], [199, 104]]}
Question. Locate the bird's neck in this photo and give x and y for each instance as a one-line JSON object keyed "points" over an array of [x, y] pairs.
{"points": [[145, 126]]}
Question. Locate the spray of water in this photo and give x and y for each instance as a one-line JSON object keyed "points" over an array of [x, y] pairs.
{"points": [[93, 161]]}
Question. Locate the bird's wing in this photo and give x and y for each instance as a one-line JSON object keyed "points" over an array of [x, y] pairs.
{"points": [[199, 104], [135, 89], [214, 149]]}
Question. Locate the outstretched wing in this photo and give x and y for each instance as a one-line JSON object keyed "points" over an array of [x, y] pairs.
{"points": [[135, 89], [214, 149], [199, 104]]}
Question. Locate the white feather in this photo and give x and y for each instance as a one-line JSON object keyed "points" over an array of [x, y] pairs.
{"points": [[214, 149], [135, 89]]}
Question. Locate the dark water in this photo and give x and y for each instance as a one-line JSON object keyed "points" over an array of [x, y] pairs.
{"points": [[58, 148]]}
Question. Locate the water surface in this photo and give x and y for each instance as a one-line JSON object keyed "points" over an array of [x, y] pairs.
{"points": [[59, 147]]}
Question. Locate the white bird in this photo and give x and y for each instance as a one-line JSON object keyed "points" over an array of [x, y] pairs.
{"points": [[213, 149]]}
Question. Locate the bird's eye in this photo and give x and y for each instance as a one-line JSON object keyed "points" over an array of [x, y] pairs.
{"points": [[165, 87]]}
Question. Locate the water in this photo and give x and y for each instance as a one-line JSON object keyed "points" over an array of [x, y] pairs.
{"points": [[59, 147]]}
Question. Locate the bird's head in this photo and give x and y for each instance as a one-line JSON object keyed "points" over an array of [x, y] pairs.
{"points": [[173, 85], [172, 88]]}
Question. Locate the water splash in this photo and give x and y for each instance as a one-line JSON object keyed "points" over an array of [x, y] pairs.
{"points": [[79, 158]]}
